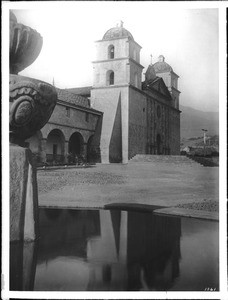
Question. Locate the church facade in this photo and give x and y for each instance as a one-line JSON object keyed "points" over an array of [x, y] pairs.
{"points": [[119, 116]]}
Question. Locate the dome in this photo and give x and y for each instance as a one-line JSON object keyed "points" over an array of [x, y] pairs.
{"points": [[117, 32], [161, 66]]}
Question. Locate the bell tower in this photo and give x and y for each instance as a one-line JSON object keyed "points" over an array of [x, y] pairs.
{"points": [[170, 78], [117, 66], [117, 59]]}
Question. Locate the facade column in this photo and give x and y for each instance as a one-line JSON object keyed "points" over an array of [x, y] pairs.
{"points": [[43, 144], [65, 153]]}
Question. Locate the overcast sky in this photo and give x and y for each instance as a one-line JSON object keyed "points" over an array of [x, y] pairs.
{"points": [[188, 38]]}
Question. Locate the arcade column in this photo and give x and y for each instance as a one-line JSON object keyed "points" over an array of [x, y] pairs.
{"points": [[84, 150], [66, 147]]}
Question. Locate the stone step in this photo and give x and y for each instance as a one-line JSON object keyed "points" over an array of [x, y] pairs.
{"points": [[163, 159]]}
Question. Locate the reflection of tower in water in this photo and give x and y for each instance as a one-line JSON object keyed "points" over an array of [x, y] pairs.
{"points": [[153, 251], [134, 251], [107, 253]]}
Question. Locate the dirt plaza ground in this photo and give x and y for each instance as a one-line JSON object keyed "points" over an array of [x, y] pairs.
{"points": [[189, 186]]}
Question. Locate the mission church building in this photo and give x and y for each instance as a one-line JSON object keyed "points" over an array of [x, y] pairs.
{"points": [[127, 116], [139, 117]]}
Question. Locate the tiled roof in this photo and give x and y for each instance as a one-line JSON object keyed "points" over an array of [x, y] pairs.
{"points": [[83, 91], [150, 82], [67, 96]]}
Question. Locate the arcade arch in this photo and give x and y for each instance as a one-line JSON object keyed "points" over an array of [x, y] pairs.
{"points": [[55, 146], [76, 145], [111, 52]]}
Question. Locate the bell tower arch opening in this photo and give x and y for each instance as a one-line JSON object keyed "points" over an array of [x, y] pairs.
{"points": [[110, 77], [111, 52]]}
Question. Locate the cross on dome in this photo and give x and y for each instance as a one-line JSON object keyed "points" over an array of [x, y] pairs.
{"points": [[161, 58], [119, 24]]}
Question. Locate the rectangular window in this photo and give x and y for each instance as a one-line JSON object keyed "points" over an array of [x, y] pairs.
{"points": [[68, 112], [87, 117]]}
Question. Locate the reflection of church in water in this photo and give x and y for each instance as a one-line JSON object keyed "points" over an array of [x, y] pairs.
{"points": [[119, 116], [105, 250]]}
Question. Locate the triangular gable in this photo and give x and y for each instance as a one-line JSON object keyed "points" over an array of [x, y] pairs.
{"points": [[159, 85]]}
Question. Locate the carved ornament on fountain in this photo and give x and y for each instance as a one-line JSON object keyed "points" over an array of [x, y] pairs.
{"points": [[31, 101], [31, 105]]}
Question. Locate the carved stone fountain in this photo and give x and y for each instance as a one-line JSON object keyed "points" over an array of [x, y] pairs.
{"points": [[31, 105]]}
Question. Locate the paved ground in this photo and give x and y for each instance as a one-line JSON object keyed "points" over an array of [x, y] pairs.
{"points": [[165, 185]]}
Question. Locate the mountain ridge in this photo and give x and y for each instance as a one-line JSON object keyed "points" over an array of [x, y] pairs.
{"points": [[192, 121]]}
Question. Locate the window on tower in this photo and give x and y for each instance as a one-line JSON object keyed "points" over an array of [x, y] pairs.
{"points": [[111, 52], [110, 78]]}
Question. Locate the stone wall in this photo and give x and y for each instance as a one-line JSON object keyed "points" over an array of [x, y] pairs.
{"points": [[163, 121], [137, 123], [134, 51], [135, 69], [113, 101]]}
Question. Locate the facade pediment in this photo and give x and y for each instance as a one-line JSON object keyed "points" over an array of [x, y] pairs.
{"points": [[158, 85]]}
